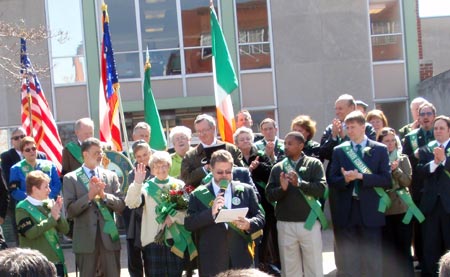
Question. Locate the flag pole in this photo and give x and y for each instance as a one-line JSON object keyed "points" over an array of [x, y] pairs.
{"points": [[30, 112], [124, 127]]}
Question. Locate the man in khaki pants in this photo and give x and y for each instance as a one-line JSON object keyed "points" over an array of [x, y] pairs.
{"points": [[295, 183]]}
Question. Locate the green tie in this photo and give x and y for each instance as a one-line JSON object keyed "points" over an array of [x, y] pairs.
{"points": [[360, 154]]}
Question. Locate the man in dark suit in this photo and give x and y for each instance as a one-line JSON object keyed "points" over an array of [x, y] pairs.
{"points": [[91, 195], [10, 158], [13, 155], [272, 146], [71, 155], [434, 168], [359, 173], [335, 133], [222, 246], [195, 166], [412, 142]]}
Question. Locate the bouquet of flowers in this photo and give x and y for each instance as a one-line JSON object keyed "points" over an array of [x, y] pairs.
{"points": [[173, 198], [174, 194]]}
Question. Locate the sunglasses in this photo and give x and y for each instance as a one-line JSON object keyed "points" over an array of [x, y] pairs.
{"points": [[226, 172], [17, 137], [426, 114], [29, 149]]}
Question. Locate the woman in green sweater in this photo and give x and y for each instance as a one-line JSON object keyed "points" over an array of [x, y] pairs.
{"points": [[39, 219]]}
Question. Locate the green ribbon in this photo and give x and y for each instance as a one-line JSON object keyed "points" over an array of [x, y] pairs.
{"points": [[75, 150], [182, 239], [385, 200], [414, 139], [110, 227], [412, 208], [50, 235], [163, 210], [316, 208]]}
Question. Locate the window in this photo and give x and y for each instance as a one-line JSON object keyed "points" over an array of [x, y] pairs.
{"points": [[386, 30], [253, 35], [68, 60]]}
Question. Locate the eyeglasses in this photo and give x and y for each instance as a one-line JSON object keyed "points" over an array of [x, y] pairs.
{"points": [[426, 114], [226, 172], [29, 149], [180, 138], [205, 131], [17, 137]]}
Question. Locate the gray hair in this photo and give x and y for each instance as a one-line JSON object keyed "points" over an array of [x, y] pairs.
{"points": [[84, 121], [180, 130], [208, 118], [142, 125], [160, 157], [243, 130]]}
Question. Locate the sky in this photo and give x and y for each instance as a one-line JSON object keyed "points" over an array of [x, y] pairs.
{"points": [[429, 8]]}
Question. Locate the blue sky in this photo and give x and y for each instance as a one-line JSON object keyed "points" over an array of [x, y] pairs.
{"points": [[428, 8]]}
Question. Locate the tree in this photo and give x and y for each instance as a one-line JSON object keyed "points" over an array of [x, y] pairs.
{"points": [[10, 35]]}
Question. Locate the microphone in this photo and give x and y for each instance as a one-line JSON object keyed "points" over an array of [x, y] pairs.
{"points": [[223, 184]]}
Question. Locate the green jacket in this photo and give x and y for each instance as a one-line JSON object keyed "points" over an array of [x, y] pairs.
{"points": [[31, 233]]}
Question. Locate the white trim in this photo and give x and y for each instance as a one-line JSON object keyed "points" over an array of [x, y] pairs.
{"points": [[272, 60], [391, 100], [389, 62], [181, 49]]}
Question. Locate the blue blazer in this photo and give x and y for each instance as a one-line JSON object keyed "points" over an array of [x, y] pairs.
{"points": [[377, 159]]}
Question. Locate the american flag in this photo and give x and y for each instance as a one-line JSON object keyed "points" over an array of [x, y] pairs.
{"points": [[42, 126], [109, 86]]}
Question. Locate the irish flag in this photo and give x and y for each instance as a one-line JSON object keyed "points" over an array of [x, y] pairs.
{"points": [[225, 80]]}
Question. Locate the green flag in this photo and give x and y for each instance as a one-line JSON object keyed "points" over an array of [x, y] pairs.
{"points": [[151, 114]]}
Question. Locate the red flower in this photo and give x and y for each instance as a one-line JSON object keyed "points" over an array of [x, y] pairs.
{"points": [[188, 189], [173, 192]]}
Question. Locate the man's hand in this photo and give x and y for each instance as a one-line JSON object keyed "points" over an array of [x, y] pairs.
{"points": [[351, 175], [139, 173], [242, 223], [439, 155], [219, 202], [270, 149], [336, 128], [93, 188], [284, 181]]}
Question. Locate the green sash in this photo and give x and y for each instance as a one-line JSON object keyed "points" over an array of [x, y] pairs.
{"points": [[75, 151], [207, 199], [316, 208], [385, 200], [182, 238], [406, 197], [50, 235], [412, 208], [413, 139], [110, 227], [25, 167]]}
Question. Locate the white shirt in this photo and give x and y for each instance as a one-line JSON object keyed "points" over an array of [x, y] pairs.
{"points": [[434, 165], [227, 195]]}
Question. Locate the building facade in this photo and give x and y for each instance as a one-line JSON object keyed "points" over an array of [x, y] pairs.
{"points": [[292, 57]]}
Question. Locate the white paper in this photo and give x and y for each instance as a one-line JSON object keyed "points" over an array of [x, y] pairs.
{"points": [[228, 215]]}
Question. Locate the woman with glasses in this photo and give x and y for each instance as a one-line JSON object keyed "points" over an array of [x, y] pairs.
{"points": [[20, 170], [397, 233]]}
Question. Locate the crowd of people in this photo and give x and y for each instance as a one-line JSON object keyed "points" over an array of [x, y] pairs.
{"points": [[223, 207]]}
